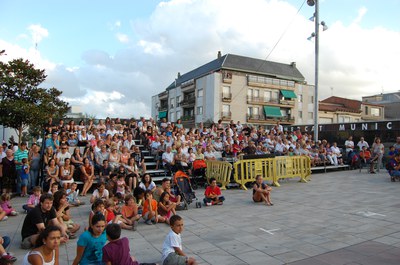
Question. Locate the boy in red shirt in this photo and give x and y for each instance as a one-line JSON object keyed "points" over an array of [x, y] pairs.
{"points": [[213, 194]]}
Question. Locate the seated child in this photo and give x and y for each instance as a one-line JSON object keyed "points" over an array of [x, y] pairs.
{"points": [[117, 250], [122, 188], [130, 211], [97, 207], [6, 206], [100, 193], [165, 207], [53, 188], [105, 171], [33, 200], [138, 193], [150, 212], [172, 247], [72, 195], [262, 192], [213, 195], [111, 185], [111, 218]]}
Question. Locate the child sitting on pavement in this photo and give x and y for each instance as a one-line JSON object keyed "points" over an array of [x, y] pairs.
{"points": [[6, 206], [72, 195], [130, 211], [213, 195], [172, 247], [33, 199], [117, 250], [262, 192], [150, 212], [111, 218]]}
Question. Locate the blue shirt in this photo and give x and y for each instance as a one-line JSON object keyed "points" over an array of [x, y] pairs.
{"points": [[93, 254], [23, 174]]}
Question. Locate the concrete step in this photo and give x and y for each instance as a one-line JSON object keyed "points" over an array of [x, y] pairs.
{"points": [[154, 171]]}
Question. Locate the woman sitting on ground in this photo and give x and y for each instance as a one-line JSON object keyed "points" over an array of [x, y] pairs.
{"points": [[262, 192]]}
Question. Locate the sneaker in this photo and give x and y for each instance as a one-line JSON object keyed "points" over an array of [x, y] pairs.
{"points": [[220, 203], [148, 222], [14, 213], [134, 226], [208, 204], [8, 257], [4, 218]]}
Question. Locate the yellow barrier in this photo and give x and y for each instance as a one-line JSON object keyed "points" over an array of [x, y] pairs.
{"points": [[219, 170], [272, 169]]}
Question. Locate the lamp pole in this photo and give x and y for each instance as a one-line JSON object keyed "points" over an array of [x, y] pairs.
{"points": [[316, 20]]}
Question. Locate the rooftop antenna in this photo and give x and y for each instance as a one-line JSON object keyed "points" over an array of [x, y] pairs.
{"points": [[331, 91]]}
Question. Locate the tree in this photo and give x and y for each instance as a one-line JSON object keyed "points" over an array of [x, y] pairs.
{"points": [[23, 104]]}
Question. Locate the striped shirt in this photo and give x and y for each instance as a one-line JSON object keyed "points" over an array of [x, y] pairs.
{"points": [[19, 155]]}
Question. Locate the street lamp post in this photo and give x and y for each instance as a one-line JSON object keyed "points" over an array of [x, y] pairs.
{"points": [[316, 35]]}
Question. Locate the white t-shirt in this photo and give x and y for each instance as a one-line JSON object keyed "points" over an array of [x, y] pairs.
{"points": [[172, 240], [168, 156], [61, 157]]}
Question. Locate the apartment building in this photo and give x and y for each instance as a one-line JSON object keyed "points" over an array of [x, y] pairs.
{"points": [[238, 88], [390, 101]]}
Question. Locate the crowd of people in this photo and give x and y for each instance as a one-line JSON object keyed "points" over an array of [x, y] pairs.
{"points": [[107, 154]]}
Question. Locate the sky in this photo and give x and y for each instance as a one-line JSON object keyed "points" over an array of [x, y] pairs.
{"points": [[110, 57]]}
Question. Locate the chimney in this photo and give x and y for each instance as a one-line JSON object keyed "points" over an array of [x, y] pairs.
{"points": [[293, 64], [179, 75], [219, 55]]}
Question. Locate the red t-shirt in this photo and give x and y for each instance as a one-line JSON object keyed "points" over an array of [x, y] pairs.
{"points": [[212, 191], [110, 215]]}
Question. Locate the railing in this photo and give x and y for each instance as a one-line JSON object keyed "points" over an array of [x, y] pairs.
{"points": [[187, 101], [287, 102], [226, 115], [226, 97], [163, 107], [255, 100], [187, 118], [254, 117]]}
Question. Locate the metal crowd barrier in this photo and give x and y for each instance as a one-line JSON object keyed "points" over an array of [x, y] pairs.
{"points": [[272, 169], [219, 170]]}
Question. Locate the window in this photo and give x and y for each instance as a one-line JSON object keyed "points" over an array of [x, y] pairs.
{"points": [[249, 93], [275, 96], [178, 101], [255, 110], [300, 114], [267, 96], [366, 110], [311, 99], [200, 93], [226, 90], [311, 115], [178, 115], [172, 102], [256, 93], [375, 112], [199, 110], [226, 110], [250, 111], [300, 97], [172, 116]]}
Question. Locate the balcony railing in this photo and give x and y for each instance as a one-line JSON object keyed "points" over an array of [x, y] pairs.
{"points": [[287, 102], [227, 78], [226, 97], [163, 107], [254, 117], [187, 101], [254, 100], [187, 118], [227, 115]]}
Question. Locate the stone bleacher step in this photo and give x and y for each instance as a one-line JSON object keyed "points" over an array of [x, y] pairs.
{"points": [[151, 164], [154, 171]]}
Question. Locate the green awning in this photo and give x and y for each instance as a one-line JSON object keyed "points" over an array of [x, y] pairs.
{"points": [[271, 111], [162, 114], [288, 93]]}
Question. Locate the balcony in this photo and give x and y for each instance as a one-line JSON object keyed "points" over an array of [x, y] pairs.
{"points": [[163, 95], [226, 116], [287, 120], [188, 86], [287, 102], [254, 118], [163, 107], [255, 100], [187, 118], [227, 78], [187, 102], [226, 97]]}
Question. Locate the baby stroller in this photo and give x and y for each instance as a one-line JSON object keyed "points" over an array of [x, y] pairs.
{"points": [[199, 173], [184, 189]]}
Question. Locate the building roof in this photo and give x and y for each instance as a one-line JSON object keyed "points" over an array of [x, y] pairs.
{"points": [[340, 104], [243, 64]]}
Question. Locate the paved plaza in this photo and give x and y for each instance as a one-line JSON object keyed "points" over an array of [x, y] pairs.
{"points": [[342, 217]]}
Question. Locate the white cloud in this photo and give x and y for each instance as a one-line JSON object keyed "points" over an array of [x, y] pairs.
{"points": [[37, 33], [181, 35], [361, 13], [123, 38]]}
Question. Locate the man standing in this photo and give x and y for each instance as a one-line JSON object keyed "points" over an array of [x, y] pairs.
{"points": [[20, 154], [38, 219]]}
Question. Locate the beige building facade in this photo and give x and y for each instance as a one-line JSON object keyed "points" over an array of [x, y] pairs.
{"points": [[237, 88]]}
